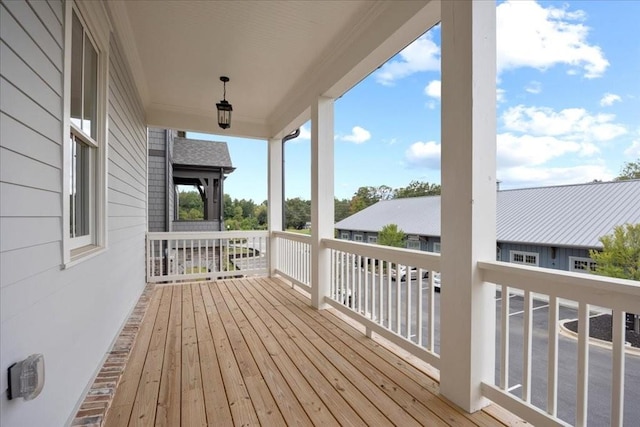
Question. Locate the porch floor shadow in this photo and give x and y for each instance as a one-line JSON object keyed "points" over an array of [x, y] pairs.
{"points": [[253, 351]]}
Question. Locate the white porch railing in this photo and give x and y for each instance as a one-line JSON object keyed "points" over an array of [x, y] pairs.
{"points": [[367, 285], [586, 292], [294, 257], [390, 291], [210, 255]]}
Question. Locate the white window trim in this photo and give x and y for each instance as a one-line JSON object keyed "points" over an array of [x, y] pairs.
{"points": [[344, 235], [96, 22], [573, 259], [358, 238], [436, 247], [372, 239], [524, 255]]}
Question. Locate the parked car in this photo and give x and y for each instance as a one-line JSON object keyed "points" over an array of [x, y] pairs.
{"points": [[436, 281], [402, 273]]}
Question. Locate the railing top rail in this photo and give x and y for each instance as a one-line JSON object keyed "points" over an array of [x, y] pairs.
{"points": [[195, 235], [591, 289], [298, 237], [414, 258]]}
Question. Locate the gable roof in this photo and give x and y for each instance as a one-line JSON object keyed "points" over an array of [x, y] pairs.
{"points": [[568, 215], [196, 152]]}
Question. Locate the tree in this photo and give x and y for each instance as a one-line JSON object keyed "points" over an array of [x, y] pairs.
{"points": [[630, 170], [418, 189], [341, 209], [367, 196], [391, 235], [297, 213], [190, 205], [620, 256]]}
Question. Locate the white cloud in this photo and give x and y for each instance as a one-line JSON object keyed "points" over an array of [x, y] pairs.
{"points": [[534, 87], [527, 150], [500, 95], [571, 123], [529, 35], [523, 176], [421, 55], [608, 99], [358, 135], [423, 154], [304, 133], [433, 89], [633, 150]]}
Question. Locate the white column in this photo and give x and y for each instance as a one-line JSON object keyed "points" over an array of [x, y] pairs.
{"points": [[321, 198], [275, 197], [467, 343]]}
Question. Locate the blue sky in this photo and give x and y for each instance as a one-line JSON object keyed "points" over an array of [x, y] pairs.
{"points": [[568, 107]]}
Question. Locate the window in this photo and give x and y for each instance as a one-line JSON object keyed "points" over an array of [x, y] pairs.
{"points": [[581, 265], [372, 239], [526, 258], [413, 244], [357, 237], [85, 93], [344, 235], [436, 247]]}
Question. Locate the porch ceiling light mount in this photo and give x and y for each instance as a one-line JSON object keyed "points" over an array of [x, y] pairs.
{"points": [[224, 108]]}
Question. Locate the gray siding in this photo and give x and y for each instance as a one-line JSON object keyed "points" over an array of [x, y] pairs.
{"points": [[546, 257], [70, 315], [157, 180]]}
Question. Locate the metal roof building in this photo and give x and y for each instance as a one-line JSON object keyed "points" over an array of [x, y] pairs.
{"points": [[563, 216]]}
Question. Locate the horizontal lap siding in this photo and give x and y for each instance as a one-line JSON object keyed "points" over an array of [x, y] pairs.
{"points": [[70, 315]]}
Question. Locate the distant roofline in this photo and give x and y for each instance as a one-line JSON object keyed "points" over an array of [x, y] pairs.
{"points": [[569, 185]]}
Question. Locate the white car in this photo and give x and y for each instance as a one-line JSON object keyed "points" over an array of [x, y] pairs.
{"points": [[436, 281], [402, 273]]}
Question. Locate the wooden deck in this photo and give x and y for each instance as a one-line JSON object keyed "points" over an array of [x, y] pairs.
{"points": [[253, 352]]}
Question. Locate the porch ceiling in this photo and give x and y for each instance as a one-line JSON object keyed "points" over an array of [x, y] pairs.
{"points": [[279, 55]]}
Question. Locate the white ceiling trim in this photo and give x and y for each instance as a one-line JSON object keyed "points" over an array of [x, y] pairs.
{"points": [[122, 26]]}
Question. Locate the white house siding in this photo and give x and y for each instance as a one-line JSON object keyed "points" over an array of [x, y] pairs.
{"points": [[70, 315]]}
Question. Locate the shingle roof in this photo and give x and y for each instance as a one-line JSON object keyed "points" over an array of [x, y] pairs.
{"points": [[569, 215], [195, 152]]}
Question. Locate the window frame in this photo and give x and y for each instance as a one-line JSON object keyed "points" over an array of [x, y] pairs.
{"points": [[96, 28], [358, 238], [591, 264], [413, 242], [372, 239], [437, 247], [513, 253]]}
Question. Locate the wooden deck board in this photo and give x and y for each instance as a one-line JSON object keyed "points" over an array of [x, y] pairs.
{"points": [[253, 352]]}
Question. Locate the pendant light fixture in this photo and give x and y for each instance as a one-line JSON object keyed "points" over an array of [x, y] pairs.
{"points": [[224, 108]]}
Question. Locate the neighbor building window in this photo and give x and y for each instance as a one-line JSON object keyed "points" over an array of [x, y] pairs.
{"points": [[85, 151], [413, 244], [581, 265], [357, 237], [344, 235], [526, 258], [436, 247], [372, 239]]}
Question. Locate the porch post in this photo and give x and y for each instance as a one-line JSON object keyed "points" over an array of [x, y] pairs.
{"points": [[274, 199], [467, 315], [321, 198]]}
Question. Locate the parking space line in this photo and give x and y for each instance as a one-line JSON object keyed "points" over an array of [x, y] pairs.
{"points": [[533, 309], [514, 387]]}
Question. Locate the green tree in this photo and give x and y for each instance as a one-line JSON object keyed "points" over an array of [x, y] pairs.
{"points": [[297, 213], [620, 256], [367, 196], [190, 205], [417, 189], [261, 215], [391, 235], [630, 170], [341, 209]]}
